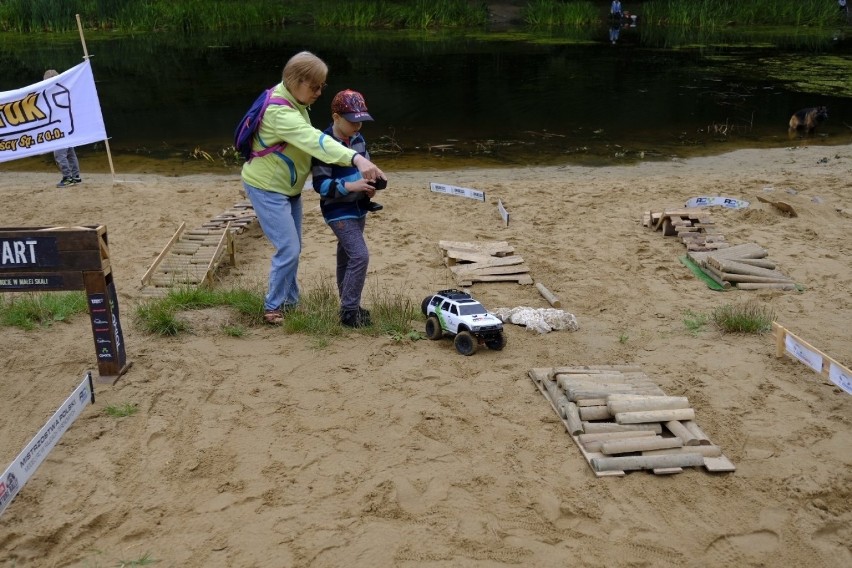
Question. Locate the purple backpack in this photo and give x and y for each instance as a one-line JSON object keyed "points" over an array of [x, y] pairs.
{"points": [[249, 124]]}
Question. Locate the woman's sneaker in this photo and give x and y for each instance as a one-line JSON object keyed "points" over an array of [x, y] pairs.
{"points": [[65, 182]]}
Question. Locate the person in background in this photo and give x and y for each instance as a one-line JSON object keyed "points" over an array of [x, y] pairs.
{"points": [[844, 8], [274, 182], [345, 201], [66, 158], [615, 11]]}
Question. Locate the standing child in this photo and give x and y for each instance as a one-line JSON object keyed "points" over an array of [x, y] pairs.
{"points": [[66, 158], [344, 202]]}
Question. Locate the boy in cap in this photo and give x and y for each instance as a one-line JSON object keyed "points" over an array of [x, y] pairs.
{"points": [[345, 202]]}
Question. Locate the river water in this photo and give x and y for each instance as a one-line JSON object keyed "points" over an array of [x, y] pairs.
{"points": [[478, 98]]}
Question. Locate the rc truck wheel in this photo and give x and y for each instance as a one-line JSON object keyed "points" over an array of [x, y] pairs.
{"points": [[496, 342], [465, 343], [425, 304], [433, 328]]}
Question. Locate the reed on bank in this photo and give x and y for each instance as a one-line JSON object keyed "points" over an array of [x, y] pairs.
{"points": [[189, 16], [710, 13]]}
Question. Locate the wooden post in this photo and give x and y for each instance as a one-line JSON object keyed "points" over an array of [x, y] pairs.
{"points": [[548, 295]]}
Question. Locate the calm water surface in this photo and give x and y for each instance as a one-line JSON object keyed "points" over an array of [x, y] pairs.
{"points": [[472, 98]]}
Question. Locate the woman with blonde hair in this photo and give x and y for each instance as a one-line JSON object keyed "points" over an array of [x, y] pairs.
{"points": [[273, 181]]}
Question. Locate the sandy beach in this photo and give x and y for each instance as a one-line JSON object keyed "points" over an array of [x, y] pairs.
{"points": [[273, 450]]}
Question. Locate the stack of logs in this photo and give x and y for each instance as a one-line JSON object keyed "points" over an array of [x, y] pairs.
{"points": [[745, 266], [620, 420], [693, 226]]}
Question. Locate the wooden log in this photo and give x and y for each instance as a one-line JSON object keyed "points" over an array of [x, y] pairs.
{"points": [[626, 463], [572, 416], [598, 369], [649, 403], [610, 447], [608, 436], [692, 426], [736, 278], [548, 295], [765, 286], [681, 431], [706, 451], [655, 416], [761, 262], [592, 402], [603, 377], [716, 276], [574, 394], [594, 413], [734, 267], [567, 384], [595, 427]]}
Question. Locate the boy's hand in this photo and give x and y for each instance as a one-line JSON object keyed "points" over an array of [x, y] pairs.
{"points": [[360, 186]]}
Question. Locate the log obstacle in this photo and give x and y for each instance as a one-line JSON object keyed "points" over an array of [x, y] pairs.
{"points": [[620, 420]]}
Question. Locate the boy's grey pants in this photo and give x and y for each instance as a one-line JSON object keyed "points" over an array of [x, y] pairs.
{"points": [[66, 159]]}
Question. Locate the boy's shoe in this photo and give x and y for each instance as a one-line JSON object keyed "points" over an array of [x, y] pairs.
{"points": [[76, 179], [355, 318], [65, 182]]}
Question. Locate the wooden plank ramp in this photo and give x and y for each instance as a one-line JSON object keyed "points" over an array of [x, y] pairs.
{"points": [[488, 261], [621, 421], [192, 256]]}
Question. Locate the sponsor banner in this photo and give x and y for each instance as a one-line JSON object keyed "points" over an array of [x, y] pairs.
{"points": [[20, 471], [458, 191], [840, 377], [810, 358], [718, 201], [56, 113]]}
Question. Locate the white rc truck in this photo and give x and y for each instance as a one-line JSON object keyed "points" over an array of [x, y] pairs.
{"points": [[457, 313]]}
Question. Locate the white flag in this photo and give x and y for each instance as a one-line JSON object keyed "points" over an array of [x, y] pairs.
{"points": [[56, 113]]}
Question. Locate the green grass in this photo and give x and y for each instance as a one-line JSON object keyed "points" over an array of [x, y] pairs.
{"points": [[695, 322], [317, 315], [121, 410], [160, 316], [546, 13], [31, 310], [710, 13], [746, 317]]}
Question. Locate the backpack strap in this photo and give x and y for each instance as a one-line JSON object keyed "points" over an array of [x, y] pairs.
{"points": [[275, 147]]}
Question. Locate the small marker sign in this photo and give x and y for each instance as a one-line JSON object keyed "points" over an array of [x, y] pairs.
{"points": [[503, 213]]}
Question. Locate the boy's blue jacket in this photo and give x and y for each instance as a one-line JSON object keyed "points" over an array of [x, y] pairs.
{"points": [[328, 179]]}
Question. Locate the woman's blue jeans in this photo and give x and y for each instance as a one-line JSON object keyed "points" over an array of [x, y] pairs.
{"points": [[281, 220]]}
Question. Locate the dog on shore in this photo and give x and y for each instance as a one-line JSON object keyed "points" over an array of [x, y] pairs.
{"points": [[807, 119]]}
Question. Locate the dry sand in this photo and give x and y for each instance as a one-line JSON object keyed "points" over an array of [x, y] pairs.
{"points": [[274, 450]]}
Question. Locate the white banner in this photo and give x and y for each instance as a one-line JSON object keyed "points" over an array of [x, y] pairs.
{"points": [[17, 474], [56, 113]]}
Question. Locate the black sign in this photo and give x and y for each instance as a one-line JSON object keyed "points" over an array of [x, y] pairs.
{"points": [[27, 252], [30, 282]]}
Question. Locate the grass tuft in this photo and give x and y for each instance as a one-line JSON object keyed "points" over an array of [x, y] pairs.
{"points": [[121, 410], [30, 310], [694, 322], [746, 317]]}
